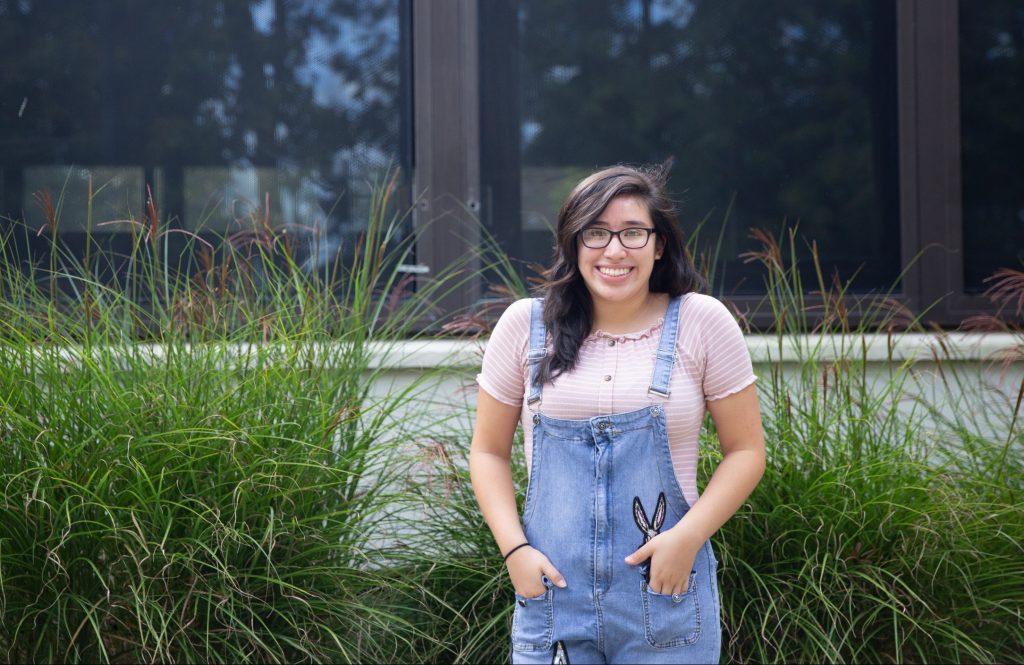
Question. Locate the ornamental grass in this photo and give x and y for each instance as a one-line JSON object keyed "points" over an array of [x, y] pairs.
{"points": [[199, 464]]}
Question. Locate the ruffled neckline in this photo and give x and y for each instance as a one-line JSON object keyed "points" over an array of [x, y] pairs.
{"points": [[621, 337]]}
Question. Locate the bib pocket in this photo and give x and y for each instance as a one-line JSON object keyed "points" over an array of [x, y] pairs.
{"points": [[671, 621]]}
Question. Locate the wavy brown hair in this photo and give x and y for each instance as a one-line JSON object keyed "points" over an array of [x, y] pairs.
{"points": [[568, 309]]}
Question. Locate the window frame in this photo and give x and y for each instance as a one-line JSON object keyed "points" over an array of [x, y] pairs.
{"points": [[447, 176], [446, 144], [932, 62]]}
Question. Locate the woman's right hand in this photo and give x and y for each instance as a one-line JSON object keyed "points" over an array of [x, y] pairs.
{"points": [[527, 567]]}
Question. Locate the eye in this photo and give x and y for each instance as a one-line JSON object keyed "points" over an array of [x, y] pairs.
{"points": [[634, 234], [595, 234]]}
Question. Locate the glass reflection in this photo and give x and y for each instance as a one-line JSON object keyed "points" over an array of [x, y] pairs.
{"points": [[786, 109], [992, 137], [220, 106]]}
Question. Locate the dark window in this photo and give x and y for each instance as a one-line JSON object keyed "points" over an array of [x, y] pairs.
{"points": [[992, 137], [779, 113], [217, 106]]}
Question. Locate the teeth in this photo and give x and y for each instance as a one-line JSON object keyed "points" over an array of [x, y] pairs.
{"points": [[614, 272]]}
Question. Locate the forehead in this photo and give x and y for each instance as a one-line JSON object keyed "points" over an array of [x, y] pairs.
{"points": [[624, 211]]}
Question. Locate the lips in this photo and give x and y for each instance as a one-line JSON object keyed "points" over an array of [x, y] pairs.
{"points": [[613, 272]]}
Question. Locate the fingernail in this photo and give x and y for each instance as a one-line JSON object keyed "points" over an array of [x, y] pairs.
{"points": [[561, 584]]}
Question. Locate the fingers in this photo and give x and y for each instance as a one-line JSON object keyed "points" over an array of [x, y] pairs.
{"points": [[664, 577], [552, 574], [670, 588], [532, 573], [668, 581], [639, 556]]}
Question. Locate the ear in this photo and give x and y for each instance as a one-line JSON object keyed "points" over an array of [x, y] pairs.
{"points": [[639, 516], [659, 512], [659, 247]]}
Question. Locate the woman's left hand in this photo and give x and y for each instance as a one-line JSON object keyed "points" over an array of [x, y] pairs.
{"points": [[672, 554]]}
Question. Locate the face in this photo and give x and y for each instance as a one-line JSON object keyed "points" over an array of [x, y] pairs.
{"points": [[616, 274]]}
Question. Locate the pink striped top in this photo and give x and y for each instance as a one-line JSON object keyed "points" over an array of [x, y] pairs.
{"points": [[614, 372]]}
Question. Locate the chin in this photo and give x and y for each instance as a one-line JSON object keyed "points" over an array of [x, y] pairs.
{"points": [[617, 295]]}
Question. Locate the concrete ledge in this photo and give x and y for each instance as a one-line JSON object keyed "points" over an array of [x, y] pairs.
{"points": [[954, 346], [424, 354], [924, 347]]}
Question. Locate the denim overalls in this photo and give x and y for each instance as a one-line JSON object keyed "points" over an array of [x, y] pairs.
{"points": [[599, 489]]}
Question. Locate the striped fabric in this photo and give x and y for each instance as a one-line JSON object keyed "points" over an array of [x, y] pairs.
{"points": [[614, 372]]}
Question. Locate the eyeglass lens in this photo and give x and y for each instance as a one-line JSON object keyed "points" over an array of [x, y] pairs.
{"points": [[630, 238]]}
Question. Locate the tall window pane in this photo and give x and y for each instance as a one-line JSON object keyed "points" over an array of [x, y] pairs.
{"points": [[785, 110], [217, 107], [992, 137]]}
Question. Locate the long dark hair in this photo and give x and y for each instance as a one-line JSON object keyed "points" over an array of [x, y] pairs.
{"points": [[568, 309]]}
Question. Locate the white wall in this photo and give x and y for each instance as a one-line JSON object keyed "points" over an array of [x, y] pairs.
{"points": [[972, 374]]}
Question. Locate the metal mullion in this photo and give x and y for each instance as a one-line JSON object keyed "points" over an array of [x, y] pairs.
{"points": [[446, 182], [959, 305], [938, 156], [906, 65]]}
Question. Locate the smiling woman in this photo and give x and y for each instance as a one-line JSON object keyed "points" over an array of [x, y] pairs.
{"points": [[613, 199], [615, 273], [611, 374]]}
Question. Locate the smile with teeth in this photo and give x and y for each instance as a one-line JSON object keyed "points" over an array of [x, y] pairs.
{"points": [[613, 272]]}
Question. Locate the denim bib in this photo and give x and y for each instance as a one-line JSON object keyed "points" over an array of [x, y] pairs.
{"points": [[599, 489]]}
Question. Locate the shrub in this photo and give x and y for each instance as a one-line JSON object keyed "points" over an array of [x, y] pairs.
{"points": [[194, 465], [196, 468], [886, 528]]}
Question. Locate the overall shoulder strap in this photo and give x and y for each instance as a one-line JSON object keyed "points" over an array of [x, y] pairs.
{"points": [[666, 359], [538, 339]]}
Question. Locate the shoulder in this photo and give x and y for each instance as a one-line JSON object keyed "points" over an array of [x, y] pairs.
{"points": [[718, 347], [707, 325], [514, 324], [518, 314], [503, 370], [703, 310]]}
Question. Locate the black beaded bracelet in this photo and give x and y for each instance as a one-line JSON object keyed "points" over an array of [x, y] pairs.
{"points": [[514, 549]]}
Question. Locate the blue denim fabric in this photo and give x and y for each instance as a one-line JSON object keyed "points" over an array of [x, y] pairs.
{"points": [[593, 499]]}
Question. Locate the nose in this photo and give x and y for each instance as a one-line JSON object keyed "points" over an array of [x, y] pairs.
{"points": [[614, 247]]}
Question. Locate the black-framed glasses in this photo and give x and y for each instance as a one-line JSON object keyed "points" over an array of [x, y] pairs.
{"points": [[636, 237]]}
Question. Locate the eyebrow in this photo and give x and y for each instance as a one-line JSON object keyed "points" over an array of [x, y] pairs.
{"points": [[628, 222]]}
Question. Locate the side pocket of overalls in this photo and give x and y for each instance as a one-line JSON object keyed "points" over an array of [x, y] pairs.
{"points": [[533, 622], [671, 621]]}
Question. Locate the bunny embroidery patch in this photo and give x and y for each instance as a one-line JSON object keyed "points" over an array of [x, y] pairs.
{"points": [[561, 655], [651, 528]]}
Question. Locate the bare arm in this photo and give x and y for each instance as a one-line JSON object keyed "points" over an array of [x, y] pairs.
{"points": [[490, 469], [491, 472], [738, 421]]}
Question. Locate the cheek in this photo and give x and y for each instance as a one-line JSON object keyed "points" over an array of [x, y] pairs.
{"points": [[586, 256]]}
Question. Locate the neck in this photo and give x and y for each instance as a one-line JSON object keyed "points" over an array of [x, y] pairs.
{"points": [[624, 317]]}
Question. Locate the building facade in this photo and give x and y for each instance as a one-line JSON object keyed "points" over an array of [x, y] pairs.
{"points": [[887, 132]]}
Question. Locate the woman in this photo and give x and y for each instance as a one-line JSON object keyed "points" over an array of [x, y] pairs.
{"points": [[610, 375]]}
